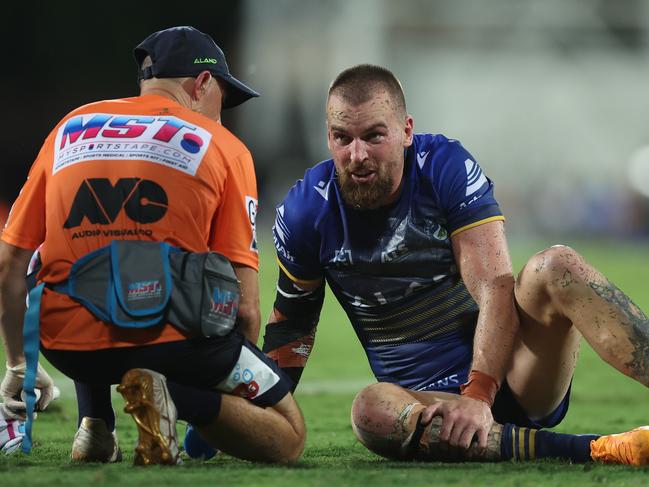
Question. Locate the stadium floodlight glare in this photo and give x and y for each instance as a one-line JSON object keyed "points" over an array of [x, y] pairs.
{"points": [[638, 171]]}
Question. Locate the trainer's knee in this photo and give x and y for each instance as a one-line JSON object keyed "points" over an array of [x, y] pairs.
{"points": [[382, 417]]}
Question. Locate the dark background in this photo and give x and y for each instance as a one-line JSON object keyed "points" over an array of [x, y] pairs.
{"points": [[60, 55]]}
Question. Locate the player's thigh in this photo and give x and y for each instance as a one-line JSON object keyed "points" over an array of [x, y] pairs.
{"points": [[545, 350]]}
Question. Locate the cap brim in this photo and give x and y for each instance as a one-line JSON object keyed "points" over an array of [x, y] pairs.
{"points": [[236, 92]]}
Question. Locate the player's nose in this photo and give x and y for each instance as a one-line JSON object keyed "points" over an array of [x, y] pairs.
{"points": [[357, 151]]}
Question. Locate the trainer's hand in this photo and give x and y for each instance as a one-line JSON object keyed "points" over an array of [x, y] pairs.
{"points": [[12, 386], [463, 418]]}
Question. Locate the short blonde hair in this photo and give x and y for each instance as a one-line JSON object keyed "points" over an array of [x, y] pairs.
{"points": [[358, 84]]}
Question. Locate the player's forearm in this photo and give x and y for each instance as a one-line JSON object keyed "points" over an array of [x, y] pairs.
{"points": [[486, 269], [288, 344], [290, 332], [496, 328]]}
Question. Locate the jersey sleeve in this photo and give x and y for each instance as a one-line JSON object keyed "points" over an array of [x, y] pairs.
{"points": [[25, 226], [465, 192], [233, 230], [296, 239]]}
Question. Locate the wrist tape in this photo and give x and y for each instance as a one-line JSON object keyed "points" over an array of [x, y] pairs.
{"points": [[480, 386]]}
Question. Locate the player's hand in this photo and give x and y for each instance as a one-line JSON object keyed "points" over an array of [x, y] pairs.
{"points": [[463, 418], [12, 386]]}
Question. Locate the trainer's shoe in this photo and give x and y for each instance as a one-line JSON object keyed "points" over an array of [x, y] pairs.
{"points": [[630, 448], [94, 443], [12, 432], [149, 402]]}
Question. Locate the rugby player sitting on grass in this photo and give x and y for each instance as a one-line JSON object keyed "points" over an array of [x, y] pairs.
{"points": [[470, 363]]}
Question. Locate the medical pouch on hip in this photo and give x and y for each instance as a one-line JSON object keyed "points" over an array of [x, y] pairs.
{"points": [[136, 284]]}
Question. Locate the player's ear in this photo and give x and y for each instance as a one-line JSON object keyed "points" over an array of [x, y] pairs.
{"points": [[409, 130]]}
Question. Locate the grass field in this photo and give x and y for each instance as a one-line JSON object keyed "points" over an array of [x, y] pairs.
{"points": [[602, 401]]}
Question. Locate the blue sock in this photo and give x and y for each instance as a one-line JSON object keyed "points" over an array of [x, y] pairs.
{"points": [[521, 444], [197, 447]]}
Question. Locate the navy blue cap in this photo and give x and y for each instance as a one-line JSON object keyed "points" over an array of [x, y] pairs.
{"points": [[180, 52]]}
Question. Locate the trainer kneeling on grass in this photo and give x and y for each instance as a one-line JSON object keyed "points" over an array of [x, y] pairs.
{"points": [[405, 229], [131, 200]]}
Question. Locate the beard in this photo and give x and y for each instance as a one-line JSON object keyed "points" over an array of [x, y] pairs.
{"points": [[366, 196]]}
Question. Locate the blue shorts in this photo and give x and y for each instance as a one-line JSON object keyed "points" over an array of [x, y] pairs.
{"points": [[506, 409]]}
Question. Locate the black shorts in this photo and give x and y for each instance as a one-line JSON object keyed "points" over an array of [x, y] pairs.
{"points": [[506, 409], [230, 364]]}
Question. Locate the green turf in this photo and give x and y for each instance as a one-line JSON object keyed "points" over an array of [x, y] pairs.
{"points": [[602, 401]]}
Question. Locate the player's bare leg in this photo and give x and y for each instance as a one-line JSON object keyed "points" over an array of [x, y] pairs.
{"points": [[561, 297], [386, 419], [273, 434]]}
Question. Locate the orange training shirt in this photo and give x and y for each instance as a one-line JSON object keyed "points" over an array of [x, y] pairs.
{"points": [[142, 168]]}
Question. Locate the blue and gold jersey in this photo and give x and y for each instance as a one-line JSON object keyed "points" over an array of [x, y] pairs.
{"points": [[393, 269]]}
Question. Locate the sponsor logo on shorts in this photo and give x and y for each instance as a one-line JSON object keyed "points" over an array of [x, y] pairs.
{"points": [[452, 380], [139, 290], [249, 390], [247, 387], [250, 377], [164, 140]]}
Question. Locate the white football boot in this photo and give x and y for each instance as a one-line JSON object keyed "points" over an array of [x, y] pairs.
{"points": [[94, 443]]}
